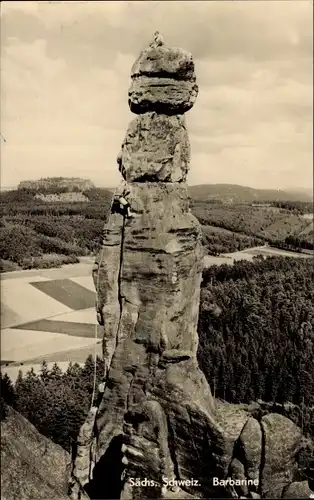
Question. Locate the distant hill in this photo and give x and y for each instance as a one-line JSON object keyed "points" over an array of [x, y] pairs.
{"points": [[234, 193], [58, 184], [301, 191], [7, 188], [54, 195], [55, 190]]}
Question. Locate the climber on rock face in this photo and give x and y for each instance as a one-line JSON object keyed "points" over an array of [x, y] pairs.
{"points": [[123, 205]]}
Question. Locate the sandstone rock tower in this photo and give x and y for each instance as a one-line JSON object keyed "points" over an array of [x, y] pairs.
{"points": [[149, 287], [156, 417]]}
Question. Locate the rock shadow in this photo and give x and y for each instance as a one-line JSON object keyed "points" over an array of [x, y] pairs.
{"points": [[106, 483]]}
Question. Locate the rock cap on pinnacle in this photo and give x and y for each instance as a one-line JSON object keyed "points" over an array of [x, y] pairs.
{"points": [[163, 79], [158, 59]]}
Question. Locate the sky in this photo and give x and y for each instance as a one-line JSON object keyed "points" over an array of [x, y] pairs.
{"points": [[65, 74]]}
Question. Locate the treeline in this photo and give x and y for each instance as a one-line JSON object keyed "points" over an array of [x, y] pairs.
{"points": [[256, 330], [217, 241], [297, 243], [56, 403], [298, 207]]}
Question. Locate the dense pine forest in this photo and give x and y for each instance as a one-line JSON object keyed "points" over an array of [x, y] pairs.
{"points": [[256, 330]]}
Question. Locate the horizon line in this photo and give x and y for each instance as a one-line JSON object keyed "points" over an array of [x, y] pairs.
{"points": [[289, 188]]}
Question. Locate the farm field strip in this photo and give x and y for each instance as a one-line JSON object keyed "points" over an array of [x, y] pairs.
{"points": [[283, 253], [73, 329], [83, 268], [248, 254], [20, 345], [83, 316], [85, 281], [75, 355], [27, 302], [67, 292]]}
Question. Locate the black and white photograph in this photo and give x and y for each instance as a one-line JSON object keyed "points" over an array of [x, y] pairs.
{"points": [[157, 250]]}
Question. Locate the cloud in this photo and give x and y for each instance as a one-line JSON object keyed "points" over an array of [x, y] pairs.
{"points": [[212, 29]]}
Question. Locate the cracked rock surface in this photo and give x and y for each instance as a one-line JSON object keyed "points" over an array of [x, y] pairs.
{"points": [[156, 148]]}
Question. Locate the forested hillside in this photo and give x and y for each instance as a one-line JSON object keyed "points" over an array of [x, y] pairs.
{"points": [[45, 228], [35, 233], [283, 227], [256, 330], [240, 194]]}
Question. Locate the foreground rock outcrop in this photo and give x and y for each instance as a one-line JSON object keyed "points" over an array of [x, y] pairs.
{"points": [[156, 431], [32, 466]]}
